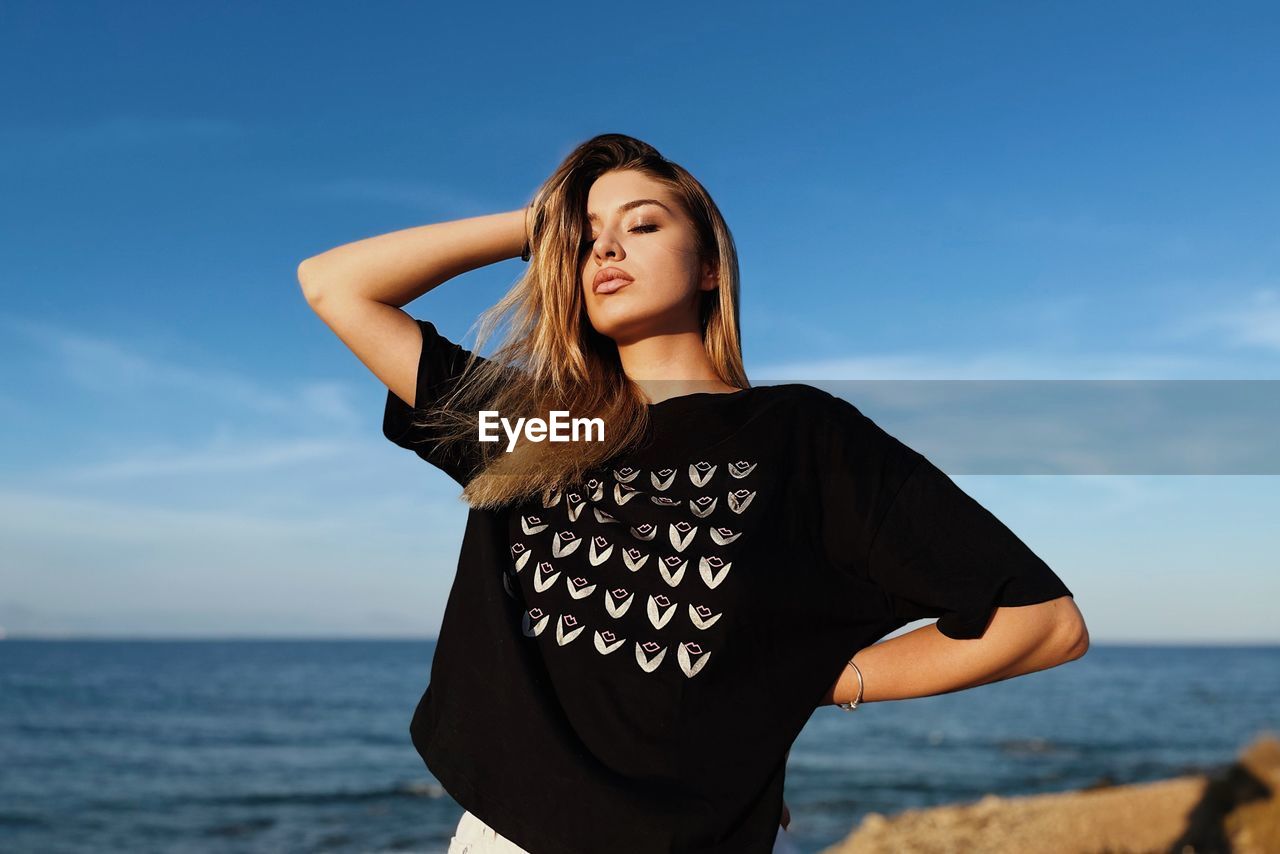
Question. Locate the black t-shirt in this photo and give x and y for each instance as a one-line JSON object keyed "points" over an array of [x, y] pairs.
{"points": [[626, 669]]}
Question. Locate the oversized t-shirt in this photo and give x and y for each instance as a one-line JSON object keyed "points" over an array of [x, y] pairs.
{"points": [[624, 668]]}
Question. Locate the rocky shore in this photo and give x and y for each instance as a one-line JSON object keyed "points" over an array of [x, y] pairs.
{"points": [[1234, 809]]}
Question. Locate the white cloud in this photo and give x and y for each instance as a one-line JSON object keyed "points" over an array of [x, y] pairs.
{"points": [[102, 366], [989, 365], [1253, 324], [247, 457]]}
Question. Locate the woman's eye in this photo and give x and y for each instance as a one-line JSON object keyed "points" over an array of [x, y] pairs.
{"points": [[643, 228]]}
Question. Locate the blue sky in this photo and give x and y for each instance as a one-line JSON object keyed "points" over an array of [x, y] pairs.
{"points": [[917, 190]]}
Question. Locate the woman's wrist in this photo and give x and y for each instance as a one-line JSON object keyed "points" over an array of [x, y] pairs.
{"points": [[850, 686], [525, 248]]}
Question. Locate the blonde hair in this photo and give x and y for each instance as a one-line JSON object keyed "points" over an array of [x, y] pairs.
{"points": [[552, 358]]}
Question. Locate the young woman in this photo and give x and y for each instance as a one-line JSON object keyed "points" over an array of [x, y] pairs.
{"points": [[640, 624]]}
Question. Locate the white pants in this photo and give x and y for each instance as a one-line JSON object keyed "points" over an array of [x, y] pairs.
{"points": [[473, 836]]}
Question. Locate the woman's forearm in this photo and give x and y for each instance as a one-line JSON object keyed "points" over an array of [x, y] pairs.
{"points": [[926, 662], [398, 267]]}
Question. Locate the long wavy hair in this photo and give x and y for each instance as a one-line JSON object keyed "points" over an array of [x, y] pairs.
{"points": [[552, 358]]}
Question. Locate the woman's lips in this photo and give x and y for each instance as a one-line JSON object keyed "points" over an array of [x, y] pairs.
{"points": [[612, 285]]}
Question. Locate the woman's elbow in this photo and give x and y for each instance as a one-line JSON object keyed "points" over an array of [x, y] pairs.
{"points": [[1082, 642], [1071, 631]]}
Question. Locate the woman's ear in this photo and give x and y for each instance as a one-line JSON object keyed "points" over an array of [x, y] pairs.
{"points": [[710, 277]]}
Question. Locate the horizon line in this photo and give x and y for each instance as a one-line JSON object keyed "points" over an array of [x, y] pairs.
{"points": [[164, 638]]}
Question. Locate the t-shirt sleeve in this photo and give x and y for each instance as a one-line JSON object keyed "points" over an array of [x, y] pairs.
{"points": [[929, 546], [440, 365]]}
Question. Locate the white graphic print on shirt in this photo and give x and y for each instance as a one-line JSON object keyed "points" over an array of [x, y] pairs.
{"points": [[641, 544]]}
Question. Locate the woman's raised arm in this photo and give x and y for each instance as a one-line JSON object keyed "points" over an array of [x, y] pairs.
{"points": [[397, 268], [358, 288]]}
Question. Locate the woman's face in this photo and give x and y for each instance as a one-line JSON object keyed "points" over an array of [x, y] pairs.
{"points": [[652, 243]]}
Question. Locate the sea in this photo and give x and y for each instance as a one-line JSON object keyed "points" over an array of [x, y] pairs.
{"points": [[303, 745]]}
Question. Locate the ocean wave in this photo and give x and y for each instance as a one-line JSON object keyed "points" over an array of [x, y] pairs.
{"points": [[408, 789]]}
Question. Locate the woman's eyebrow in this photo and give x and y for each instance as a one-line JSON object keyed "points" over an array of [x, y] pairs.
{"points": [[634, 203]]}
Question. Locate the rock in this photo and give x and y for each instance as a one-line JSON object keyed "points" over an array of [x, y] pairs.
{"points": [[1235, 809]]}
